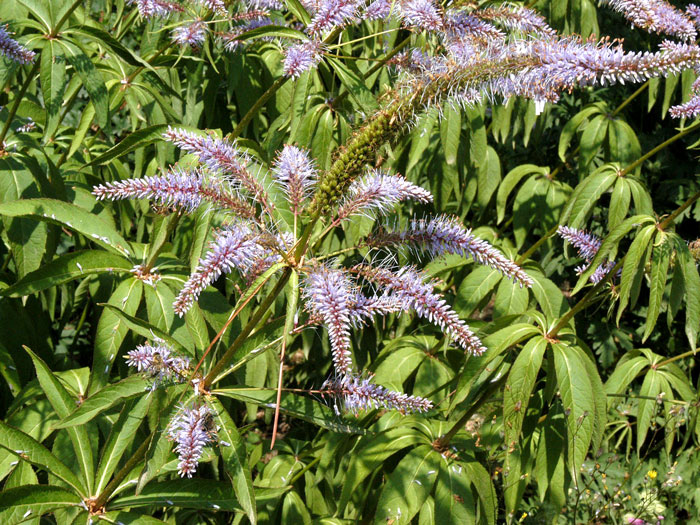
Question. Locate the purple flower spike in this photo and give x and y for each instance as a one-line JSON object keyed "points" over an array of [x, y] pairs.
{"points": [[220, 156], [301, 58], [186, 190], [295, 169], [656, 16], [379, 192], [328, 294], [159, 361], [233, 248], [445, 234], [190, 431], [154, 8], [357, 394], [587, 246], [421, 13], [409, 285], [191, 34], [333, 13], [377, 10], [690, 109], [13, 49]]}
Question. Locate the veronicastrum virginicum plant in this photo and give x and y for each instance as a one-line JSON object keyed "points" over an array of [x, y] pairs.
{"points": [[312, 226]]}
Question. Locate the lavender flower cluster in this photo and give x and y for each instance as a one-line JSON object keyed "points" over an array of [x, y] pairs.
{"points": [[254, 238], [587, 246], [159, 362], [191, 430]]}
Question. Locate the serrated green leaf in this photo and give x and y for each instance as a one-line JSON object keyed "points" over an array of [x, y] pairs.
{"points": [[651, 388], [68, 267], [145, 329], [570, 128], [549, 471], [489, 177], [585, 196], [371, 453], [53, 83], [619, 203], [29, 449], [37, 500], [593, 137], [121, 435], [509, 183], [660, 261], [235, 461], [454, 501], [511, 299], [138, 139], [63, 404], [519, 386], [408, 486], [635, 263], [105, 399], [71, 216], [577, 397], [474, 288]]}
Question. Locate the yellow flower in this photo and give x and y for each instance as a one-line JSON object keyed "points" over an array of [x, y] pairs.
{"points": [[652, 474]]}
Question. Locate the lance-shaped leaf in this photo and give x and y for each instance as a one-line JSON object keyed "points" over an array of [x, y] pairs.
{"points": [[70, 216], [145, 329], [635, 264], [120, 437], [519, 386], [67, 267], [577, 397], [235, 461], [29, 449], [63, 404], [105, 399], [408, 486], [454, 500], [138, 139], [36, 500]]}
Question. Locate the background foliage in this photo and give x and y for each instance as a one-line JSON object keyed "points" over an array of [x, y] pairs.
{"points": [[580, 411]]}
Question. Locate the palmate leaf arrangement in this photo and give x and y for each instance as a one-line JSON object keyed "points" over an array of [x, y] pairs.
{"points": [[272, 220]]}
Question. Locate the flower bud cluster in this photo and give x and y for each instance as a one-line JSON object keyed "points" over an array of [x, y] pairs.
{"points": [[191, 430]]}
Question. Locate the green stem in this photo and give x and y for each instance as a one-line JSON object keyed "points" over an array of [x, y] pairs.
{"points": [[668, 220], [15, 104], [64, 18], [585, 300], [252, 323], [256, 107], [101, 500], [678, 357], [658, 148], [445, 439], [532, 249]]}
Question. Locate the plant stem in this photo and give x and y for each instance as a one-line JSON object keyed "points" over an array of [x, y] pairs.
{"points": [[256, 107], [119, 476], [674, 358], [658, 148], [668, 220], [64, 18], [532, 249], [584, 301], [445, 439], [15, 104], [252, 323]]}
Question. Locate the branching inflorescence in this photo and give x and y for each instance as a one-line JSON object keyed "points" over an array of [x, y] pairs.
{"points": [[493, 52]]}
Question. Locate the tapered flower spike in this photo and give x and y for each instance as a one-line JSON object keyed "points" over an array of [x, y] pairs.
{"points": [[302, 57], [363, 308], [656, 16], [155, 8], [445, 234], [192, 34], [190, 431], [295, 169], [328, 294], [688, 109], [377, 10], [329, 14], [357, 394], [187, 190], [423, 14], [159, 361], [235, 247], [587, 246], [219, 156], [413, 287], [13, 49], [516, 18], [378, 192]]}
